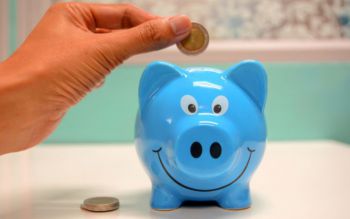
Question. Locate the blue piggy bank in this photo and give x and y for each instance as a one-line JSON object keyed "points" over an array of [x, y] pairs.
{"points": [[200, 132]]}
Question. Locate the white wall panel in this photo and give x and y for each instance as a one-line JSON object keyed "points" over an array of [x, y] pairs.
{"points": [[4, 29]]}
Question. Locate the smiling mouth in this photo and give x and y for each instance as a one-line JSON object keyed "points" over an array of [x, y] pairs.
{"points": [[251, 151]]}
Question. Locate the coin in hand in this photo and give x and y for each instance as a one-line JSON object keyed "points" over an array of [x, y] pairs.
{"points": [[196, 42], [100, 204]]}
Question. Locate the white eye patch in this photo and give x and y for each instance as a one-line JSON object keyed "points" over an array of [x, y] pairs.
{"points": [[220, 105], [189, 104]]}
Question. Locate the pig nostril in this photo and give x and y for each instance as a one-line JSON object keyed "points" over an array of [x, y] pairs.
{"points": [[215, 150], [196, 149]]}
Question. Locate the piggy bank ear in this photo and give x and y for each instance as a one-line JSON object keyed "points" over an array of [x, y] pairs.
{"points": [[155, 76], [251, 77]]}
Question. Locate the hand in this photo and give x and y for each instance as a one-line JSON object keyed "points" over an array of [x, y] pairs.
{"points": [[69, 53]]}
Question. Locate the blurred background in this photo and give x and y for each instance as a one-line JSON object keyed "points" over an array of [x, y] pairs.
{"points": [[304, 44]]}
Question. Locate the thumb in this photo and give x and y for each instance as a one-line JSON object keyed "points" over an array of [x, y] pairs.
{"points": [[154, 34]]}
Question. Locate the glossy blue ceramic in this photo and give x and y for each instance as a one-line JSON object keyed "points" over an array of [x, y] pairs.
{"points": [[200, 132]]}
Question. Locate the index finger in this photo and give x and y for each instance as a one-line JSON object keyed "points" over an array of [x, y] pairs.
{"points": [[116, 16]]}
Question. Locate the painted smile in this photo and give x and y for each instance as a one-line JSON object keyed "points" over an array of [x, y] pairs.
{"points": [[251, 151]]}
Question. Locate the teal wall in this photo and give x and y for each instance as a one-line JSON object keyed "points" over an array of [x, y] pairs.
{"points": [[305, 101]]}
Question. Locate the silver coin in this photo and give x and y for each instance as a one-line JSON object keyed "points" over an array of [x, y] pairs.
{"points": [[100, 204]]}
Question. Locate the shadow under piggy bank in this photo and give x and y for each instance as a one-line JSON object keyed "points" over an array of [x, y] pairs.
{"points": [[137, 205]]}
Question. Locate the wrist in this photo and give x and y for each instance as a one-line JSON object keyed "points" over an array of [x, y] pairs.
{"points": [[24, 114]]}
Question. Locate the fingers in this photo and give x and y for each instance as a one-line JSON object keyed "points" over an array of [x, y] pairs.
{"points": [[104, 16], [115, 16], [152, 35]]}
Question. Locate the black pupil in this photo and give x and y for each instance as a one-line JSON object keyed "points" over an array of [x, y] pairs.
{"points": [[217, 108], [191, 108], [196, 149], [215, 150]]}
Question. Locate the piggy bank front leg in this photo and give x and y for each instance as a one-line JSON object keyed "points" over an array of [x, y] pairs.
{"points": [[237, 198], [163, 199]]}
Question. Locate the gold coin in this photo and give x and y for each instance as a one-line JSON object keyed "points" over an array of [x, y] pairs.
{"points": [[100, 204], [196, 42]]}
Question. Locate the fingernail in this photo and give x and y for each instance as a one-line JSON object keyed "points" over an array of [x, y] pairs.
{"points": [[180, 24]]}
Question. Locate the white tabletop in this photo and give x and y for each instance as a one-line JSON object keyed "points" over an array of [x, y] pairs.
{"points": [[295, 180]]}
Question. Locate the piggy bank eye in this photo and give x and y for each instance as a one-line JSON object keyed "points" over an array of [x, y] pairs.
{"points": [[189, 104], [220, 105]]}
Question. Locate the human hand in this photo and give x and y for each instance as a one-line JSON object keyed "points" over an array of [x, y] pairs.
{"points": [[69, 53]]}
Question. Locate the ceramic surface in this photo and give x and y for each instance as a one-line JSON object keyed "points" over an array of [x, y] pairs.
{"points": [[200, 132]]}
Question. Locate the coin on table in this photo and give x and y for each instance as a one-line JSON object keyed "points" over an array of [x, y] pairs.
{"points": [[196, 42], [100, 204]]}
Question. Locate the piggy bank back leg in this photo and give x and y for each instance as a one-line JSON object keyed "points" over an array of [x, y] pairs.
{"points": [[237, 198], [163, 200]]}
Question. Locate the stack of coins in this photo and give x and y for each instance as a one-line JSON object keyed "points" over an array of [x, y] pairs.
{"points": [[100, 204], [196, 42]]}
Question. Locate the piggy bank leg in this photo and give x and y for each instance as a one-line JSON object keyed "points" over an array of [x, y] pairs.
{"points": [[236, 199], [163, 199]]}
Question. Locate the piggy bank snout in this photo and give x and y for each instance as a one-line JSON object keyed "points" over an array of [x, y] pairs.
{"points": [[205, 149]]}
